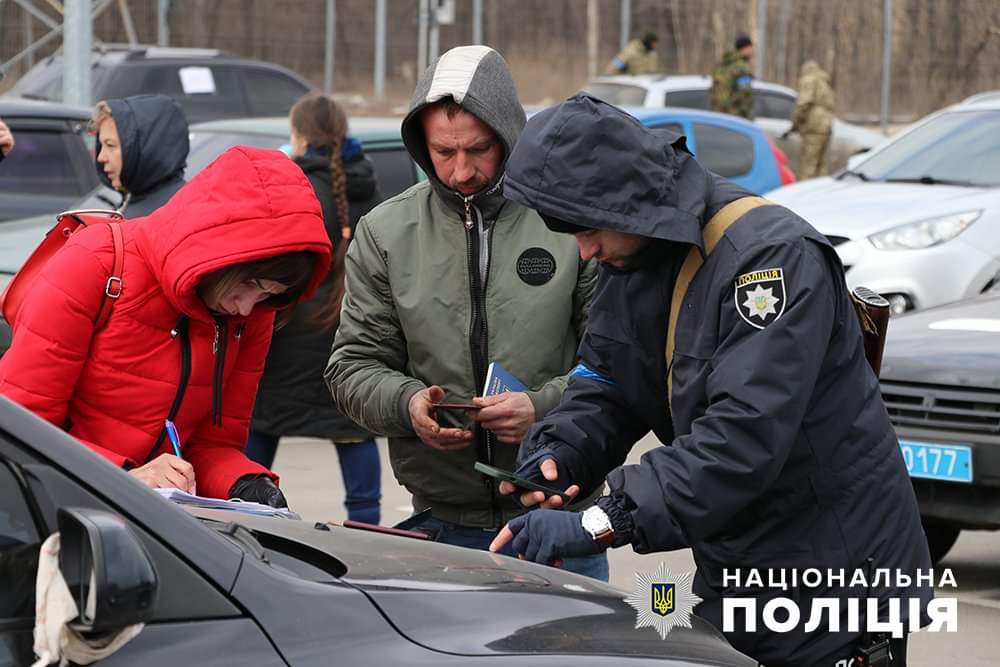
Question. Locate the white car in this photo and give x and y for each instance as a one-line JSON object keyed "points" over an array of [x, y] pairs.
{"points": [[917, 219], [773, 105]]}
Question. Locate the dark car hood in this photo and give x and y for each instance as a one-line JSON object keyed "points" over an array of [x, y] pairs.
{"points": [[955, 344], [472, 602]]}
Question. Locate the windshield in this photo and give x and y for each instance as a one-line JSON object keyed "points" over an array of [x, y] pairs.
{"points": [[960, 147], [206, 146]]}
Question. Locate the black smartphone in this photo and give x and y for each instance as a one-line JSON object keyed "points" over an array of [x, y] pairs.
{"points": [[520, 482], [458, 406]]}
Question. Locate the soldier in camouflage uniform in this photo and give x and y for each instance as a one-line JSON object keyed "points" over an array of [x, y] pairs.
{"points": [[638, 57], [732, 79], [813, 119]]}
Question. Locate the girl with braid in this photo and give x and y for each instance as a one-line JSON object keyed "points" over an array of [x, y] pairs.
{"points": [[293, 399]]}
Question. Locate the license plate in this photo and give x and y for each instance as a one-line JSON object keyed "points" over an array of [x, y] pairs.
{"points": [[949, 463]]}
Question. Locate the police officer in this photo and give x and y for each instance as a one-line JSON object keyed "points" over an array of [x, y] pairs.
{"points": [[732, 80], [722, 323]]}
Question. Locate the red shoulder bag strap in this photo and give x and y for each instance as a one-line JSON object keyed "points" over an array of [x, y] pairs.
{"points": [[113, 288]]}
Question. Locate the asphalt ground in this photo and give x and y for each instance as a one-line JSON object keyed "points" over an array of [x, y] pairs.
{"points": [[310, 478]]}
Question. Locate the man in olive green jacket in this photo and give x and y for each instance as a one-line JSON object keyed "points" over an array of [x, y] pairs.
{"points": [[445, 278]]}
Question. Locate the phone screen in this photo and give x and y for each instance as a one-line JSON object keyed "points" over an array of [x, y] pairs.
{"points": [[520, 482]]}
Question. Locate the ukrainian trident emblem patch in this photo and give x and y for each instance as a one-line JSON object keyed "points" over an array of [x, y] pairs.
{"points": [[662, 596]]}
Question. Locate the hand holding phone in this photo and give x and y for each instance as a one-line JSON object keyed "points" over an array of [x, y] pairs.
{"points": [[521, 482], [425, 424]]}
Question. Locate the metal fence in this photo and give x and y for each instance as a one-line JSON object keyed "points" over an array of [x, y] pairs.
{"points": [[939, 51]]}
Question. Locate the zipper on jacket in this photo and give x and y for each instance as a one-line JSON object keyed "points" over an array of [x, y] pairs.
{"points": [[468, 212], [477, 258], [478, 332], [219, 350], [180, 332]]}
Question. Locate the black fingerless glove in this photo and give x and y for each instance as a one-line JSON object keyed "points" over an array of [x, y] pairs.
{"points": [[571, 466], [258, 489]]}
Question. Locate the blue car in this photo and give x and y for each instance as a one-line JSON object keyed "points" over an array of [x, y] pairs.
{"points": [[727, 145]]}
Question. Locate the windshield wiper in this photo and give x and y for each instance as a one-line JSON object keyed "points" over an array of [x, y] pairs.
{"points": [[242, 536], [856, 174], [930, 180]]}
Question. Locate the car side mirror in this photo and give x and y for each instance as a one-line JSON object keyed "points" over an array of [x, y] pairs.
{"points": [[107, 570]]}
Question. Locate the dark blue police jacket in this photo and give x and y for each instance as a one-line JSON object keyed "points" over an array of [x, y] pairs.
{"points": [[779, 453]]}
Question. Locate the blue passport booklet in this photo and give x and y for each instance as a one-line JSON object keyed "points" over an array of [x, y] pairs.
{"points": [[499, 380]]}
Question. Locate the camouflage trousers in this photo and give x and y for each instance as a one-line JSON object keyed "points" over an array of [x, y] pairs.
{"points": [[812, 156]]}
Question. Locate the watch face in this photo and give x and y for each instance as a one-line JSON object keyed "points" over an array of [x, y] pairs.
{"points": [[595, 521]]}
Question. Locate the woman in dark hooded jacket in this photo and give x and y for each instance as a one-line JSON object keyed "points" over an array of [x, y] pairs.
{"points": [[293, 399], [142, 148]]}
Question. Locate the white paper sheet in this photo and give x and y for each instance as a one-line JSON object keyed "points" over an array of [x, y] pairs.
{"points": [[233, 504], [197, 80]]}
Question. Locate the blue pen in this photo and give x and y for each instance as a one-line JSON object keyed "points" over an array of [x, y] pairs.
{"points": [[175, 439]]}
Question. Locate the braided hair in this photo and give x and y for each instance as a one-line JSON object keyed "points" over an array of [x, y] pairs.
{"points": [[322, 123]]}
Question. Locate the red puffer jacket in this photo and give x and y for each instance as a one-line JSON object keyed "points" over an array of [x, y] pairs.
{"points": [[113, 389]]}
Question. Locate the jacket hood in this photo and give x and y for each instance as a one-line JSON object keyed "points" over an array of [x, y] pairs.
{"points": [[590, 163], [154, 141], [249, 204], [479, 80], [811, 69]]}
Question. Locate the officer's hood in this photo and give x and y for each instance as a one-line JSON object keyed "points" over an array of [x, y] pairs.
{"points": [[479, 80], [153, 132], [812, 70], [591, 164]]}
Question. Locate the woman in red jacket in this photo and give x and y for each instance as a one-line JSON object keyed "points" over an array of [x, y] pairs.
{"points": [[204, 278]]}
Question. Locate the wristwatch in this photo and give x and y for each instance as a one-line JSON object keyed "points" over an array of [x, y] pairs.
{"points": [[597, 523]]}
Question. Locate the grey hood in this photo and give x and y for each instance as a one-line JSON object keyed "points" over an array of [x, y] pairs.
{"points": [[590, 163], [479, 80]]}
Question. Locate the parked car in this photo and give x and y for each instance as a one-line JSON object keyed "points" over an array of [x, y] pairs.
{"points": [[727, 145], [218, 587], [207, 83], [773, 105], [383, 144], [987, 95], [380, 137], [52, 165], [941, 385], [916, 220]]}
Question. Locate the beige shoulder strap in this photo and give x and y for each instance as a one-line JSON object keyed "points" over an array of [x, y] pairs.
{"points": [[711, 234]]}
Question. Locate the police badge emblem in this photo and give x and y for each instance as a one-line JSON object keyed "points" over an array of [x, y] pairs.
{"points": [[663, 601], [760, 296]]}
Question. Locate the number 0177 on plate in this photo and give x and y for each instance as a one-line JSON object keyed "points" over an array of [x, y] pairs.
{"points": [[949, 463]]}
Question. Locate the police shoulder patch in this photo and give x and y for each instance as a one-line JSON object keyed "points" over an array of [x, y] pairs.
{"points": [[760, 296]]}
